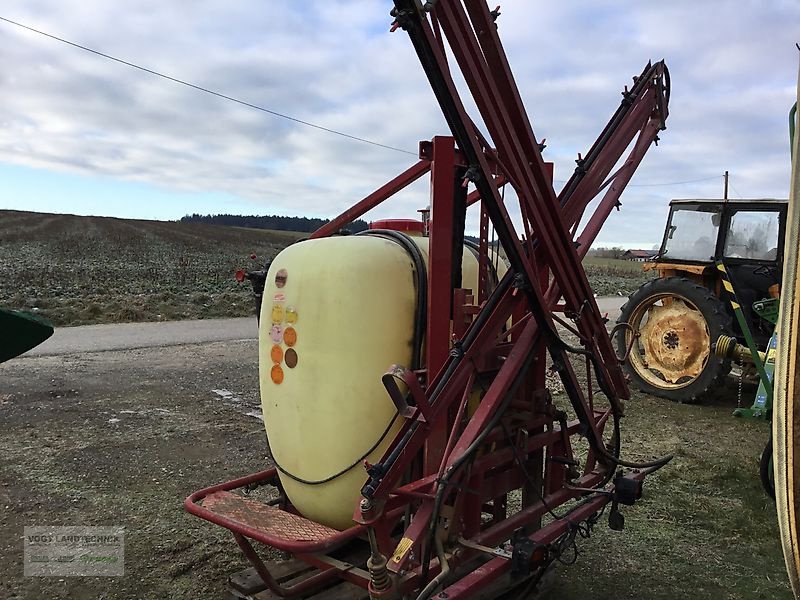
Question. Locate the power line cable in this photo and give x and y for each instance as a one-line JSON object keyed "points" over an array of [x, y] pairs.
{"points": [[665, 183], [270, 111], [674, 182], [203, 89]]}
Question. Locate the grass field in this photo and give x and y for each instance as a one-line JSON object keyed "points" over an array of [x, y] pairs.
{"points": [[705, 528], [82, 270], [611, 276]]}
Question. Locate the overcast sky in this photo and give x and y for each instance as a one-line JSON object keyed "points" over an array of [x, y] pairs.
{"points": [[85, 135]]}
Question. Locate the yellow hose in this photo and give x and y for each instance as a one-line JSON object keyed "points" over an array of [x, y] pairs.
{"points": [[786, 407]]}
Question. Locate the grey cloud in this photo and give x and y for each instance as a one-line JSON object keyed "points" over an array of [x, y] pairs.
{"points": [[733, 67]]}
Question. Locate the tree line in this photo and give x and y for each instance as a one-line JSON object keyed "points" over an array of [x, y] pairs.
{"points": [[277, 222]]}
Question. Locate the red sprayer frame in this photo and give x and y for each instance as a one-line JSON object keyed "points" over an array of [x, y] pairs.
{"points": [[435, 510]]}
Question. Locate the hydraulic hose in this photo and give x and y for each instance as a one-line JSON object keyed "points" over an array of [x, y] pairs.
{"points": [[786, 404], [420, 282]]}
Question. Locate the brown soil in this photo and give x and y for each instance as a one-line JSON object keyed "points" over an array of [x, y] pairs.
{"points": [[65, 461], [705, 529]]}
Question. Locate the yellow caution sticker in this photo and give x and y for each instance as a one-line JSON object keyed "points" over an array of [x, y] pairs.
{"points": [[402, 549], [277, 312]]}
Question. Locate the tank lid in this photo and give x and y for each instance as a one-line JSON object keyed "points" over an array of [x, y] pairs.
{"points": [[411, 225]]}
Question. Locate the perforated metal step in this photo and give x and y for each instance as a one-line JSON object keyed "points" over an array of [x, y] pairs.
{"points": [[269, 520]]}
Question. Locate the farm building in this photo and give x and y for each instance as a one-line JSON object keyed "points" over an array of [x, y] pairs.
{"points": [[638, 255]]}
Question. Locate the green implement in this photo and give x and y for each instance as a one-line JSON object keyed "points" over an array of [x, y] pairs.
{"points": [[21, 331], [762, 407]]}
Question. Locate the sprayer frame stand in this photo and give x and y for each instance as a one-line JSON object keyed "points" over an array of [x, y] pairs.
{"points": [[435, 514]]}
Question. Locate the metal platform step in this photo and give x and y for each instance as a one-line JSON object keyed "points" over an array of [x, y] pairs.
{"points": [[269, 520]]}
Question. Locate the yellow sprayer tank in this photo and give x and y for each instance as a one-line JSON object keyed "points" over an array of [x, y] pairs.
{"points": [[336, 314]]}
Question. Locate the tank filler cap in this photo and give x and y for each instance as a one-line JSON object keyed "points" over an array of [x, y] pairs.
{"points": [[404, 225]]}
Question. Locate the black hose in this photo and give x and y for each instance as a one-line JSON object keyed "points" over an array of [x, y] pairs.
{"points": [[454, 360], [476, 250], [353, 465], [468, 455], [420, 282]]}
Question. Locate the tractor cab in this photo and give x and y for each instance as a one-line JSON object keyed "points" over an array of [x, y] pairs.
{"points": [[736, 231]]}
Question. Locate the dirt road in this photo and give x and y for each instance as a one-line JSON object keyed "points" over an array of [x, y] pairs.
{"points": [[127, 336]]}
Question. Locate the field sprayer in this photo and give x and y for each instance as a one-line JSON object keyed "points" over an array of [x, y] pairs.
{"points": [[417, 450]]}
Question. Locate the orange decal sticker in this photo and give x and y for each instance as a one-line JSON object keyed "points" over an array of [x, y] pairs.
{"points": [[290, 336], [276, 374], [276, 354]]}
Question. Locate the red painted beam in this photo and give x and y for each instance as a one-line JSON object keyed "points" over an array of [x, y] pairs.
{"points": [[387, 190], [440, 253]]}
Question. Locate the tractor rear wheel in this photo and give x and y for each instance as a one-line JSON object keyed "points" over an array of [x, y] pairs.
{"points": [[672, 323]]}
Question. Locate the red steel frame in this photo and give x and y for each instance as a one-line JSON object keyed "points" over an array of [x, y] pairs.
{"points": [[461, 463]]}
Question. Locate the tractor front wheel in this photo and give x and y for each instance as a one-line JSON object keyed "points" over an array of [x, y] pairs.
{"points": [[672, 323]]}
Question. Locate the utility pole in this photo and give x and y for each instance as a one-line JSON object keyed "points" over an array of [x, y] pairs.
{"points": [[725, 191]]}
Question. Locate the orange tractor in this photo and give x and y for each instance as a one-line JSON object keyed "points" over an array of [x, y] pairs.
{"points": [[672, 321]]}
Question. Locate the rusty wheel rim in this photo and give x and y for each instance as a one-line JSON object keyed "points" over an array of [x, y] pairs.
{"points": [[673, 342]]}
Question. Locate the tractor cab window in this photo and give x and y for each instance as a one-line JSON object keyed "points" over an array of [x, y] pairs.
{"points": [[753, 234], [692, 233]]}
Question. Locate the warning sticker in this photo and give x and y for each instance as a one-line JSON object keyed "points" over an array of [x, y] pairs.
{"points": [[402, 548]]}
